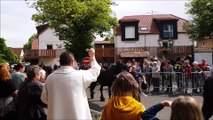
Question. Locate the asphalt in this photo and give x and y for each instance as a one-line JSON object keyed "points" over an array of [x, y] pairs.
{"points": [[147, 100]]}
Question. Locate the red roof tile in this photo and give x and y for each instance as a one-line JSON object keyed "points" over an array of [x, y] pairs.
{"points": [[128, 20], [148, 22], [17, 51]]}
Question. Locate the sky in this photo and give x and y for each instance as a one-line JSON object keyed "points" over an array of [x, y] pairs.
{"points": [[16, 25]]}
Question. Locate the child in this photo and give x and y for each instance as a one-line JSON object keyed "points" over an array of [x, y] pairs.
{"points": [[123, 104]]}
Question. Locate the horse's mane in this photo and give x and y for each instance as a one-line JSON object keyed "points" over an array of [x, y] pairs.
{"points": [[107, 76]]}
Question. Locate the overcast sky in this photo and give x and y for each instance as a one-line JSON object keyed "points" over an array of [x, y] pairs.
{"points": [[17, 26]]}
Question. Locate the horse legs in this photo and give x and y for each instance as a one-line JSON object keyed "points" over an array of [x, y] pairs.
{"points": [[101, 91], [92, 87]]}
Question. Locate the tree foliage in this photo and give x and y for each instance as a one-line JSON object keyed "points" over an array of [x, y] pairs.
{"points": [[201, 24], [76, 21], [28, 45], [109, 38], [6, 55]]}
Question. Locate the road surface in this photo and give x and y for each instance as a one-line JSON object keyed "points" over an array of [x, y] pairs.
{"points": [[147, 101]]}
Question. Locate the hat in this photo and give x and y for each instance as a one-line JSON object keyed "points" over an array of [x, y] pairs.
{"points": [[210, 68], [195, 62]]}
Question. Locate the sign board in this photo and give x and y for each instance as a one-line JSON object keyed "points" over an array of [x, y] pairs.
{"points": [[86, 60]]}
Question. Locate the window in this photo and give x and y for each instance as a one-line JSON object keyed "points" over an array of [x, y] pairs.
{"points": [[130, 32], [143, 29], [168, 31], [49, 47]]}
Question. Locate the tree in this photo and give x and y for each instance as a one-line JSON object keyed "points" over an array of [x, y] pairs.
{"points": [[6, 54], [201, 24], [109, 38], [28, 45], [77, 21]]}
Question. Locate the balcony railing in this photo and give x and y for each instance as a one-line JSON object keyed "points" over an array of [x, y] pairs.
{"points": [[175, 50], [34, 54], [203, 49], [182, 50], [104, 52]]}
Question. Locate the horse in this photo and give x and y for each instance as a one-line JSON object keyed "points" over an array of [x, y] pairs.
{"points": [[106, 78]]}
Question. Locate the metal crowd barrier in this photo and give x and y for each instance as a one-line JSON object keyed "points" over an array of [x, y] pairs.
{"points": [[95, 114], [176, 82]]}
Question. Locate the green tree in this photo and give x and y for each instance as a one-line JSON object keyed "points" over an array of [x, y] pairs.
{"points": [[109, 38], [76, 21], [28, 45], [201, 24], [6, 54]]}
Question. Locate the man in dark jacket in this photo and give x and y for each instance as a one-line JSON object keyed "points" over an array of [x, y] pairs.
{"points": [[208, 97]]}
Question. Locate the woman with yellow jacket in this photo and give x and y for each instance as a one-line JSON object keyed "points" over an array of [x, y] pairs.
{"points": [[123, 104]]}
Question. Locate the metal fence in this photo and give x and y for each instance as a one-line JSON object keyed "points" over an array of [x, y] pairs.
{"points": [[176, 82], [95, 114]]}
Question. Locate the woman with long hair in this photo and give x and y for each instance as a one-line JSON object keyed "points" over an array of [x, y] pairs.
{"points": [[124, 105], [183, 108], [186, 108], [7, 91]]}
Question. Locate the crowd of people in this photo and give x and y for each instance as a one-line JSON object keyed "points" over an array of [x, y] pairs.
{"points": [[30, 94], [20, 93], [163, 75]]}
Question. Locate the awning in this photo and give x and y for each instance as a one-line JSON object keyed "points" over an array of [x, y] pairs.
{"points": [[134, 54]]}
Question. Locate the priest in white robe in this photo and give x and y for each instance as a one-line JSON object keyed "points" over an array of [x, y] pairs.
{"points": [[65, 89]]}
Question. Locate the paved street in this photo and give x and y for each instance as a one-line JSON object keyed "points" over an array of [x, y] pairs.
{"points": [[148, 101]]}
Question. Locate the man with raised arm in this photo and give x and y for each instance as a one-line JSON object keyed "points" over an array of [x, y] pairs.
{"points": [[65, 89]]}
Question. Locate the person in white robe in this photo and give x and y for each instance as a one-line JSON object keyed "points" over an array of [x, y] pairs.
{"points": [[65, 89]]}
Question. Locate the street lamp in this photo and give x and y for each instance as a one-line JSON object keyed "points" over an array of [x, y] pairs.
{"points": [[165, 45]]}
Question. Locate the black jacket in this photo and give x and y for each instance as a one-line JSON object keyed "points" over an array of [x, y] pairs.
{"points": [[29, 105], [208, 98]]}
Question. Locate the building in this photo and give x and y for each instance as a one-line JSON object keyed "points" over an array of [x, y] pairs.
{"points": [[104, 51], [19, 52], [47, 48], [204, 50], [142, 36]]}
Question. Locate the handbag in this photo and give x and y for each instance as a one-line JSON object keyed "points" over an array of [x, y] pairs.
{"points": [[7, 105]]}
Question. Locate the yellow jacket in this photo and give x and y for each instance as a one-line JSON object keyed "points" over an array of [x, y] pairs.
{"points": [[122, 108]]}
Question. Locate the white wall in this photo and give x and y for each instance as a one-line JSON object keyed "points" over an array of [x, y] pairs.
{"points": [[150, 40], [48, 38], [49, 61], [183, 40]]}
